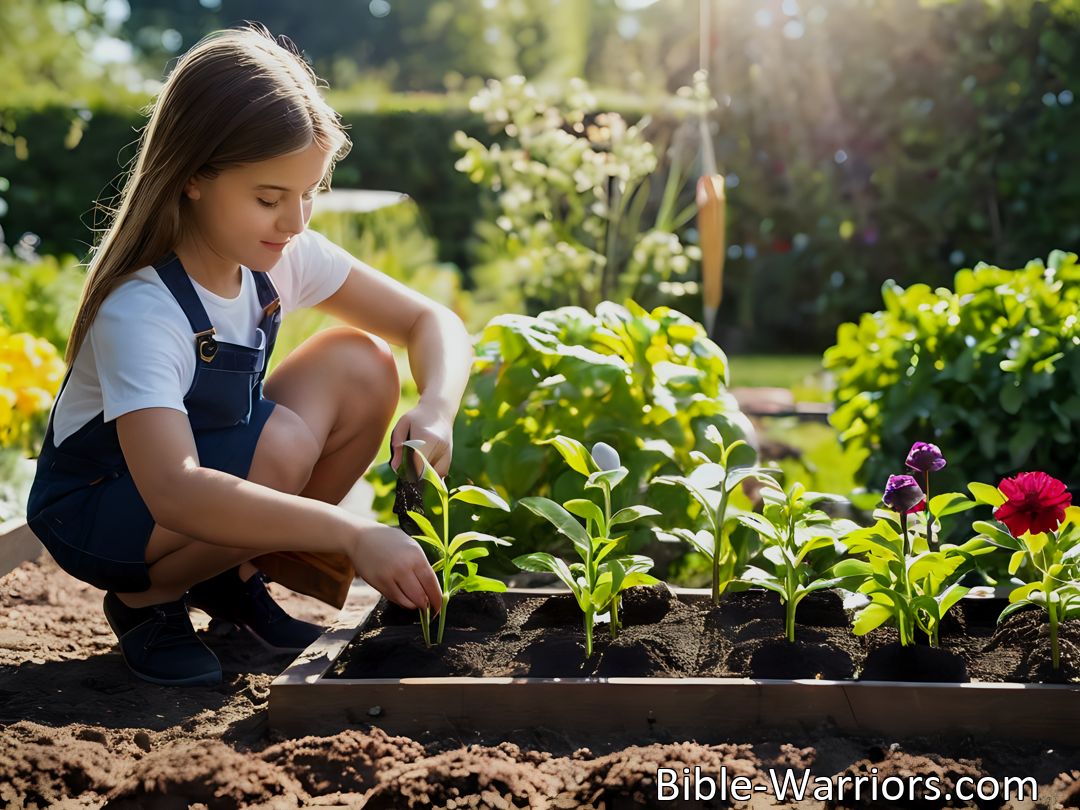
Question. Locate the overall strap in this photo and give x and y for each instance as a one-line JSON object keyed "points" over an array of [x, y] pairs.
{"points": [[269, 299], [179, 283]]}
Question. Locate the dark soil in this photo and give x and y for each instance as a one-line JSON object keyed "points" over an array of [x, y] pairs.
{"points": [[499, 635], [78, 731]]}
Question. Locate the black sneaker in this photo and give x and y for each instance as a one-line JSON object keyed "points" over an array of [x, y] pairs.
{"points": [[228, 598], [159, 644]]}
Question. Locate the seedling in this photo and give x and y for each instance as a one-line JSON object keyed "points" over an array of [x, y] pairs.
{"points": [[455, 553], [795, 535], [599, 580], [711, 485]]}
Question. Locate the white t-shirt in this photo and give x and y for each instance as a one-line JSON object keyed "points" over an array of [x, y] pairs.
{"points": [[140, 350]]}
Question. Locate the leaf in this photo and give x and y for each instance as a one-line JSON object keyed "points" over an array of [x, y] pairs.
{"points": [[953, 594], [435, 544], [996, 535], [851, 568], [1024, 591], [759, 524], [986, 494], [1015, 561], [541, 561], [467, 493], [950, 503], [479, 583], [425, 526], [630, 514], [561, 520], [812, 545], [873, 615], [610, 478], [430, 475], [469, 537], [574, 453], [707, 476], [584, 508], [470, 554]]}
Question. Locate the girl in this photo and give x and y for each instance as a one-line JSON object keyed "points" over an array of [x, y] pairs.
{"points": [[169, 462]]}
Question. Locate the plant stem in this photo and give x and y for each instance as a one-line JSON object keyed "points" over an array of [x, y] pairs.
{"points": [[1051, 609], [718, 539], [588, 633], [442, 617], [425, 626], [929, 515], [907, 634]]}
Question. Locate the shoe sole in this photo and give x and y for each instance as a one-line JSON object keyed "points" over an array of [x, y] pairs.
{"points": [[204, 679]]}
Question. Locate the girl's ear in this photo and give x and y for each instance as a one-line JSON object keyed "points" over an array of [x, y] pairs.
{"points": [[191, 189]]}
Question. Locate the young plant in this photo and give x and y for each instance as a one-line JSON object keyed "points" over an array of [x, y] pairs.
{"points": [[901, 579], [599, 580], [711, 485], [453, 553], [796, 537], [1037, 523]]}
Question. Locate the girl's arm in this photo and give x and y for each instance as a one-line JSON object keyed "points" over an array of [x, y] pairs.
{"points": [[440, 353], [220, 508]]}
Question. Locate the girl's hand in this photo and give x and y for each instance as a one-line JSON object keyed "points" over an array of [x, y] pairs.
{"points": [[434, 427], [393, 564]]}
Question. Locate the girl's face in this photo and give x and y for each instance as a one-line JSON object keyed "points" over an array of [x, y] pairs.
{"points": [[248, 214]]}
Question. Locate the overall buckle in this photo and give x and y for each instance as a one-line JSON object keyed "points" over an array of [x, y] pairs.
{"points": [[206, 344]]}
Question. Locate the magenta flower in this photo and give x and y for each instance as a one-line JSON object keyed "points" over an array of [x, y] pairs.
{"points": [[925, 457], [903, 494]]}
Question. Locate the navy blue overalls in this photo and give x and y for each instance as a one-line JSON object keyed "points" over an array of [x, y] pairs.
{"points": [[83, 504]]}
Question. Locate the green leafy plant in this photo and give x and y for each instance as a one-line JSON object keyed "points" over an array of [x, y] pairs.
{"points": [[649, 383], [901, 580], [711, 484], [452, 553], [801, 544], [990, 369], [571, 192], [601, 577], [1042, 531]]}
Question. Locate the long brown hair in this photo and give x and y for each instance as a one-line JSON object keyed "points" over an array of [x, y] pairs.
{"points": [[238, 96]]}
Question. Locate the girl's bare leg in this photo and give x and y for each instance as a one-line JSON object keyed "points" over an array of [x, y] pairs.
{"points": [[335, 395]]}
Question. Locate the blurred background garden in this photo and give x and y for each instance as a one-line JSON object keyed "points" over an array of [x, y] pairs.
{"points": [[574, 173]]}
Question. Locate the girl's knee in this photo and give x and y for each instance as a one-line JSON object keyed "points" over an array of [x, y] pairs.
{"points": [[365, 364], [286, 452]]}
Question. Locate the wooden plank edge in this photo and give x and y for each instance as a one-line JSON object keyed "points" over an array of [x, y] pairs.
{"points": [[17, 545]]}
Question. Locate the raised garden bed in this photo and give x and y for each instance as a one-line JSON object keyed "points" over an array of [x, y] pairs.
{"points": [[516, 660]]}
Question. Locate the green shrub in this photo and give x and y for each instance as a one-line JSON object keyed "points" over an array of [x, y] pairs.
{"points": [[648, 383], [989, 369]]}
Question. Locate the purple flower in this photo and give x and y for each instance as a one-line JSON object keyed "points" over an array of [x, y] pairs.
{"points": [[903, 494], [925, 457]]}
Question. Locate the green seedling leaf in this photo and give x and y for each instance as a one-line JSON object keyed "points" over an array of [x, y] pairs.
{"points": [[426, 527], [429, 474], [560, 519], [479, 497], [610, 478], [574, 453], [584, 508], [541, 561], [630, 514]]}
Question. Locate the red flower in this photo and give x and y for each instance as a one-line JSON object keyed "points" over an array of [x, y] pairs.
{"points": [[1036, 503]]}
